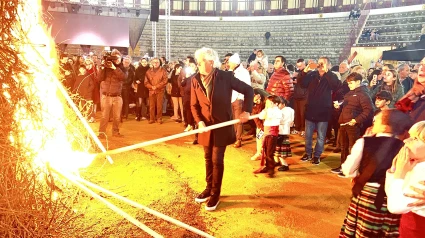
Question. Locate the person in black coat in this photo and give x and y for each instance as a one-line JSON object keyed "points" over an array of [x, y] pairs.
{"points": [[142, 93], [320, 85], [210, 102], [357, 108]]}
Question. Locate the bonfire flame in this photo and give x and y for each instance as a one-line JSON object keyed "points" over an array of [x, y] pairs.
{"points": [[46, 138]]}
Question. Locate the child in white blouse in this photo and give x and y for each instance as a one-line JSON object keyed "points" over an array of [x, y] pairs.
{"points": [[283, 147], [272, 117], [407, 172]]}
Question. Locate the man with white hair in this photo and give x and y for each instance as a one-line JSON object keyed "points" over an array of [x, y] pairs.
{"points": [[238, 98], [211, 104], [344, 70], [405, 80]]}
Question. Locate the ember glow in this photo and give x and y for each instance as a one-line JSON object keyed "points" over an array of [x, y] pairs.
{"points": [[46, 137]]}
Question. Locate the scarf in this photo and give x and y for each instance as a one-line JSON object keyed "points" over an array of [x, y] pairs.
{"points": [[405, 104], [207, 82]]}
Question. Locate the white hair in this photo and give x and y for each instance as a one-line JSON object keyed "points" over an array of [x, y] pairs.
{"points": [[208, 54]]}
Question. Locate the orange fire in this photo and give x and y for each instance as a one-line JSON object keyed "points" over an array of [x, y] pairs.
{"points": [[46, 137]]}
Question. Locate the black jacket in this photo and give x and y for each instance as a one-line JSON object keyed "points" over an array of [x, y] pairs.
{"points": [[218, 108], [112, 80], [142, 91], [131, 70], [300, 93], [357, 105], [319, 100]]}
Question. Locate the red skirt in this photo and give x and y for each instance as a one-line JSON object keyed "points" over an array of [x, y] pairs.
{"points": [[412, 225]]}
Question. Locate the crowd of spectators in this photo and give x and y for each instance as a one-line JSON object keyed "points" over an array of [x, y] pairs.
{"points": [[348, 106]]}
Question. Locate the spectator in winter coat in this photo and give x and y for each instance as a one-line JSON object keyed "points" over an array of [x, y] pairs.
{"points": [[238, 98], [67, 72], [126, 86], [111, 78], [300, 100], [413, 102], [262, 59], [320, 85], [92, 72], [357, 108], [142, 93], [258, 77], [405, 80], [280, 84], [155, 80], [392, 84]]}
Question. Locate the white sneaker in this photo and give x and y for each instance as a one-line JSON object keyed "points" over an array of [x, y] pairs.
{"points": [[188, 128], [303, 133], [256, 157], [294, 132], [143, 118]]}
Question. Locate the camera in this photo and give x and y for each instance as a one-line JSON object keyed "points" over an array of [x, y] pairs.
{"points": [[108, 58]]}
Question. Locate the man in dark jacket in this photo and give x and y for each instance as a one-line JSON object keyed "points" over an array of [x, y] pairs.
{"points": [[300, 100], [357, 108], [111, 78], [126, 86], [142, 92], [211, 94], [320, 85]]}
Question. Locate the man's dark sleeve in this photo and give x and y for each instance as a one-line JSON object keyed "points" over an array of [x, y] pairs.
{"points": [[304, 79], [333, 81]]}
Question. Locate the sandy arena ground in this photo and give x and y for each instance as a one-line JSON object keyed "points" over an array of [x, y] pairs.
{"points": [[306, 201]]}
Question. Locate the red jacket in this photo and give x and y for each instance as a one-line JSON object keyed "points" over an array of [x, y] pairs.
{"points": [[281, 84]]}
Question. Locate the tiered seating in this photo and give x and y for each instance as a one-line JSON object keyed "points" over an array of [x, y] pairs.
{"points": [[394, 28], [309, 38]]}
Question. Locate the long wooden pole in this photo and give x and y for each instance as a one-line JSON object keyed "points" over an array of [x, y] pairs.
{"points": [[81, 117], [110, 205], [148, 210], [172, 137]]}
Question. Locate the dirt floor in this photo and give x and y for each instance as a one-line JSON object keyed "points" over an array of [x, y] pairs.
{"points": [[306, 201]]}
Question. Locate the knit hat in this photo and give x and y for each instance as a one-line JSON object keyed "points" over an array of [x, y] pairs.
{"points": [[235, 59]]}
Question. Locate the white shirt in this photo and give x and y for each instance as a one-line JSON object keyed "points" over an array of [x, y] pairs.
{"points": [[243, 75], [288, 119], [271, 116], [396, 188], [351, 165]]}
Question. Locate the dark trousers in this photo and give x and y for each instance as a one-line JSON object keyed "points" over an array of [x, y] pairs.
{"points": [[214, 167], [155, 102], [125, 94], [299, 117], [269, 147], [142, 107], [188, 117], [347, 137], [237, 111]]}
